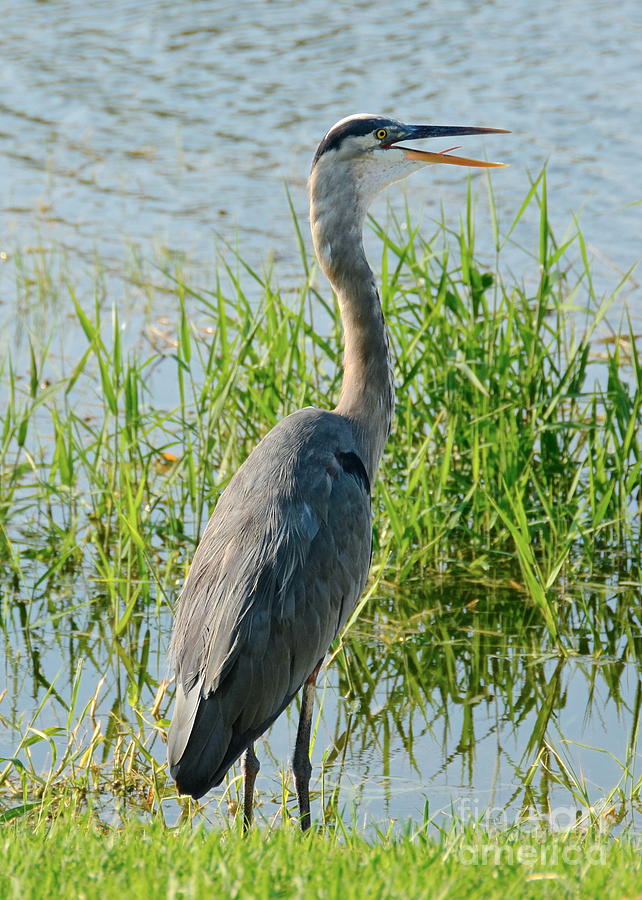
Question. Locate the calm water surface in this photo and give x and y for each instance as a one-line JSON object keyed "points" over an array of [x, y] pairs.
{"points": [[177, 125]]}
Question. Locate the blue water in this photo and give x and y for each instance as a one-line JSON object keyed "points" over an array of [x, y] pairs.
{"points": [[177, 124]]}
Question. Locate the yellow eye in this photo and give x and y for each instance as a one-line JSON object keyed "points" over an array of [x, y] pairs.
{"points": [[381, 133]]}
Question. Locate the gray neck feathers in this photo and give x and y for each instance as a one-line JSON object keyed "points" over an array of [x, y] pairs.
{"points": [[367, 391]]}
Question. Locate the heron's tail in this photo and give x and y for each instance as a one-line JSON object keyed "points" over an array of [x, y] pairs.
{"points": [[202, 745], [198, 742]]}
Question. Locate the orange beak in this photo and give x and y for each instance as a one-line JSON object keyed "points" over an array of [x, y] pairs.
{"points": [[426, 156]]}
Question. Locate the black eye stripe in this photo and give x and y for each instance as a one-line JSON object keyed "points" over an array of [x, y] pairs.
{"points": [[352, 128]]}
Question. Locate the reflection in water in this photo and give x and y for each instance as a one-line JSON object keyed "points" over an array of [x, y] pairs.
{"points": [[470, 694], [455, 698]]}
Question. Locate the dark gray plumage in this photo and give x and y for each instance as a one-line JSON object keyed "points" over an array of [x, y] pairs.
{"points": [[285, 555], [278, 571]]}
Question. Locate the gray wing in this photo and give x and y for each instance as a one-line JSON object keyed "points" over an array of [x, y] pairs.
{"points": [[277, 573]]}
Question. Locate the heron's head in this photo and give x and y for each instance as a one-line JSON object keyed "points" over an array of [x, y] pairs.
{"points": [[362, 154]]}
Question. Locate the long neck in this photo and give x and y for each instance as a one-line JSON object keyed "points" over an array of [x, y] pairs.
{"points": [[367, 390]]}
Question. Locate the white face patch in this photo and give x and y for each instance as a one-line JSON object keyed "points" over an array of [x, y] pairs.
{"points": [[377, 169], [367, 165], [355, 145]]}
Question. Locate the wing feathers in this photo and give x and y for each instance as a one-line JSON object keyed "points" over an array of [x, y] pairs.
{"points": [[279, 569]]}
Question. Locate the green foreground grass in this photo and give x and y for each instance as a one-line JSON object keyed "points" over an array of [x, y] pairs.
{"points": [[87, 860]]}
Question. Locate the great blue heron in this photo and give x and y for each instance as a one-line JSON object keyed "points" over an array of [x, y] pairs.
{"points": [[286, 553]]}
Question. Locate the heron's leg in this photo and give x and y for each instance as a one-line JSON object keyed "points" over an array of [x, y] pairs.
{"points": [[251, 767], [301, 761]]}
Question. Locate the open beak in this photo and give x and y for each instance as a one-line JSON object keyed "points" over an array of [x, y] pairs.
{"points": [[415, 132]]}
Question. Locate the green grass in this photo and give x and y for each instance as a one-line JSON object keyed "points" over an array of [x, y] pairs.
{"points": [[507, 531], [514, 449], [84, 859]]}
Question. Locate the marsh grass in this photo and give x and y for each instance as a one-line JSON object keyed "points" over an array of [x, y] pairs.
{"points": [[507, 526]]}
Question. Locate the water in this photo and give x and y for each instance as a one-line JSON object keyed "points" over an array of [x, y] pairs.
{"points": [[175, 126], [453, 711]]}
